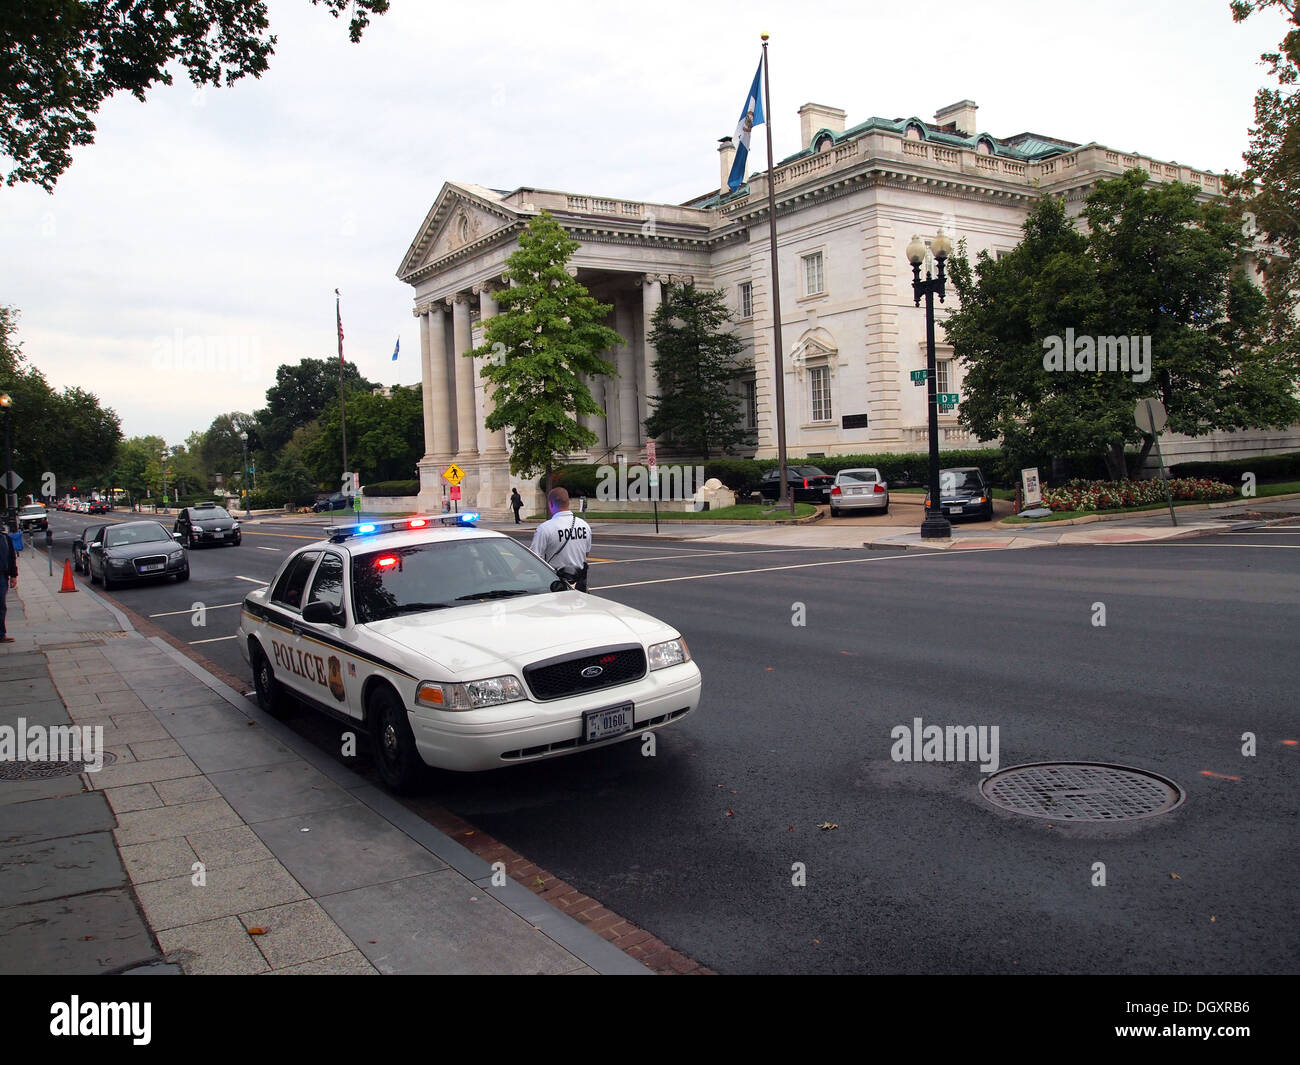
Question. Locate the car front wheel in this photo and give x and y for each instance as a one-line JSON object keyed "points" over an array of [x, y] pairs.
{"points": [[270, 696], [399, 763]]}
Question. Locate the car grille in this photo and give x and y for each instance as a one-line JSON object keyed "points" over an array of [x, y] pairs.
{"points": [[149, 560], [558, 677]]}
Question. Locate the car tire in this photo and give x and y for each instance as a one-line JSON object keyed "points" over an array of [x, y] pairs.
{"points": [[885, 509], [184, 574], [189, 540], [399, 763], [235, 542], [271, 696], [107, 581], [835, 513]]}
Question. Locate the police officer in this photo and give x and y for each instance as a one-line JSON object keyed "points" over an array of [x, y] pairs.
{"points": [[563, 540], [8, 577]]}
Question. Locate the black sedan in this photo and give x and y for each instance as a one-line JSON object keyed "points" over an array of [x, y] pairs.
{"points": [[810, 484], [135, 551], [79, 546], [206, 524], [338, 501], [964, 493]]}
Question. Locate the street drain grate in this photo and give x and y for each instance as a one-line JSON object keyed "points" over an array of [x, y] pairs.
{"points": [[1081, 791], [25, 770]]}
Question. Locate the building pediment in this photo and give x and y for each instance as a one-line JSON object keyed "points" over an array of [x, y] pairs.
{"points": [[461, 217]]}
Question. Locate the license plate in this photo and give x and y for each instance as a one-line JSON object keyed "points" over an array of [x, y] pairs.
{"points": [[221, 536], [954, 510], [154, 568], [602, 724], [855, 491]]}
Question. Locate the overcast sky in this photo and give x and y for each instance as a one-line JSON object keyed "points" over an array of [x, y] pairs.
{"points": [[224, 219]]}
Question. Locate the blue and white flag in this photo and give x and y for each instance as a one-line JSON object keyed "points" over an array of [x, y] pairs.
{"points": [[750, 117], [396, 348]]}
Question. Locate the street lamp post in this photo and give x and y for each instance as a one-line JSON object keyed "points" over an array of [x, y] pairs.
{"points": [[935, 526], [243, 481], [11, 498], [164, 465]]}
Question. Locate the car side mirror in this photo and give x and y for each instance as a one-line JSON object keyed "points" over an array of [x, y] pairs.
{"points": [[319, 613], [176, 536]]}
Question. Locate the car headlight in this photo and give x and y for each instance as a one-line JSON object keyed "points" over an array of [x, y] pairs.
{"points": [[670, 653], [471, 695], [234, 526], [172, 556]]}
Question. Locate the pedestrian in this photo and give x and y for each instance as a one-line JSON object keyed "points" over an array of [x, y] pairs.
{"points": [[563, 540], [8, 579], [516, 503]]}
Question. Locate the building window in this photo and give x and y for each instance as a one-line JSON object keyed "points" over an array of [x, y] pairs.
{"points": [[746, 299], [819, 384], [751, 405], [942, 375], [814, 280]]}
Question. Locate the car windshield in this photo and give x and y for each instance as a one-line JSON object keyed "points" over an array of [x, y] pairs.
{"points": [[121, 535], [448, 573], [209, 513], [960, 481], [858, 475], [32, 510]]}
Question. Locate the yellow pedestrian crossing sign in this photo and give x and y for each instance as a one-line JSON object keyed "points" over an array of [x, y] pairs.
{"points": [[454, 474]]}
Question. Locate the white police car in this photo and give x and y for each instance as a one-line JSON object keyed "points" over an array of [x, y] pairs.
{"points": [[453, 647]]}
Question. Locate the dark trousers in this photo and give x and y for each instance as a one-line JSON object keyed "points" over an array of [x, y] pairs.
{"points": [[4, 591], [516, 510]]}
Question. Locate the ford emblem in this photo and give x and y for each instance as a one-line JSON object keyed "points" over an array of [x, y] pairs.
{"points": [[592, 671]]}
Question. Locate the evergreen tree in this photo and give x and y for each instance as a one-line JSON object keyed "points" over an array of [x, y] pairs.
{"points": [[697, 363], [549, 334]]}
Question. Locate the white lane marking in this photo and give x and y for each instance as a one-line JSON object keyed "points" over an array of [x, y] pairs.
{"points": [[697, 554], [251, 580], [175, 613], [801, 565], [215, 639], [1194, 543], [260, 548]]}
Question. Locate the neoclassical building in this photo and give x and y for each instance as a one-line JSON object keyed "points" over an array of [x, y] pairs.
{"points": [[847, 205]]}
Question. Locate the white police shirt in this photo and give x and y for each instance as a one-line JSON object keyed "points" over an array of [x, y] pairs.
{"points": [[563, 541]]}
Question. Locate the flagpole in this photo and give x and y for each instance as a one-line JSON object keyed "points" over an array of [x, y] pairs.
{"points": [[778, 359], [343, 410]]}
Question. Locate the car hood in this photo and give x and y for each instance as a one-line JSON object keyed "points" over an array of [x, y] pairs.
{"points": [[508, 634], [213, 523], [151, 547]]}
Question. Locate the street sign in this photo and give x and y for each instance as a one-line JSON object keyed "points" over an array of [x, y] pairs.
{"points": [[454, 474], [1150, 415], [919, 376], [455, 491], [356, 504], [946, 399], [650, 459], [11, 481]]}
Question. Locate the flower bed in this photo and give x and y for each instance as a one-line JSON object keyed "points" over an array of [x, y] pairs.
{"points": [[1116, 495]]}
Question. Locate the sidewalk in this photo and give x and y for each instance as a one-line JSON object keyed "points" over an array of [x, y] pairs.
{"points": [[215, 840]]}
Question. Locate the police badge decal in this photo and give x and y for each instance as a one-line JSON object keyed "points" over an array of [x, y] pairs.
{"points": [[336, 679]]}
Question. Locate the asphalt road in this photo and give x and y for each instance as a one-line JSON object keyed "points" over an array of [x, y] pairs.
{"points": [[921, 873]]}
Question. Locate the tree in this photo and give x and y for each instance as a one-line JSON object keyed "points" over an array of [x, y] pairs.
{"points": [[1269, 187], [55, 435], [548, 335], [222, 450], [134, 459], [62, 59], [385, 437], [697, 364], [299, 395], [1158, 270]]}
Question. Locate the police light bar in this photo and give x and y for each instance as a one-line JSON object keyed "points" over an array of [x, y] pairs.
{"points": [[418, 523]]}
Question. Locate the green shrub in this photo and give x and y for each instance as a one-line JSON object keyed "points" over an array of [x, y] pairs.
{"points": [[1265, 468], [392, 488]]}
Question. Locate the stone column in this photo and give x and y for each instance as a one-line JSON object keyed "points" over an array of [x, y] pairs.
{"points": [[466, 427], [495, 442], [629, 427], [426, 379], [652, 294], [436, 374]]}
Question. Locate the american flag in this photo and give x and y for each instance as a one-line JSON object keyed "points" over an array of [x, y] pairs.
{"points": [[339, 315]]}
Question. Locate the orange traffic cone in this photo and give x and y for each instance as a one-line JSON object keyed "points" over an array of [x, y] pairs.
{"points": [[69, 585]]}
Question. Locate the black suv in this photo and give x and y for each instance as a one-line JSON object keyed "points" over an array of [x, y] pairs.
{"points": [[206, 524], [338, 501], [810, 484], [964, 493]]}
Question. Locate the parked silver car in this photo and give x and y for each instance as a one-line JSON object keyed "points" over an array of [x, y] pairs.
{"points": [[861, 490]]}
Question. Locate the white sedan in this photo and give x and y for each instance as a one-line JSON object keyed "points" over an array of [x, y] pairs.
{"points": [[453, 648]]}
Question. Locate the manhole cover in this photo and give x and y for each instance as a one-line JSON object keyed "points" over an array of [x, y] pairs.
{"points": [[24, 770], [1081, 791]]}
